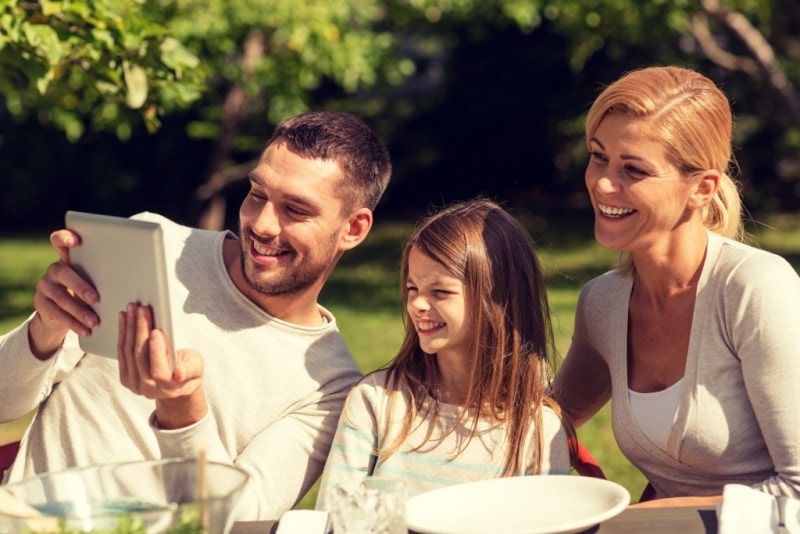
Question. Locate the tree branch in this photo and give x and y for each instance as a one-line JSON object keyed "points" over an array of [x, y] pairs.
{"points": [[715, 53], [761, 50], [234, 108]]}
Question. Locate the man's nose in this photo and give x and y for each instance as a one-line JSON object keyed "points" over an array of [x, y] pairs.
{"points": [[267, 223]]}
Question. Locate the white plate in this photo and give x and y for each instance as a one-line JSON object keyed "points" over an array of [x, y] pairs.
{"points": [[517, 505]]}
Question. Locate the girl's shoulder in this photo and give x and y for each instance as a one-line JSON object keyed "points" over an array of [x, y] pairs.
{"points": [[373, 388], [371, 381], [552, 417]]}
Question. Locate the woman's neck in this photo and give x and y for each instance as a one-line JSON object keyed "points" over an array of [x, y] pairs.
{"points": [[670, 272]]}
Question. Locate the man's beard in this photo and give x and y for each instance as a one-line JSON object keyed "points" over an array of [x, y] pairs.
{"points": [[296, 277]]}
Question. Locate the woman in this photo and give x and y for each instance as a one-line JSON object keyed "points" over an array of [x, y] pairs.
{"points": [[695, 338]]}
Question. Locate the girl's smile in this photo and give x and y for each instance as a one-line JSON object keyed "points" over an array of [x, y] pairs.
{"points": [[435, 303]]}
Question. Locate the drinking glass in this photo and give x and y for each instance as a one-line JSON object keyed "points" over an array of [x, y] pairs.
{"points": [[376, 505]]}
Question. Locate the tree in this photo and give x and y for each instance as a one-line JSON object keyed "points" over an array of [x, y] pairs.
{"points": [[103, 62], [236, 66], [267, 58]]}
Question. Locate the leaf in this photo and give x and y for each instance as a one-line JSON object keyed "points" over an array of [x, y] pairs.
{"points": [[45, 40], [176, 56], [50, 8], [136, 82]]}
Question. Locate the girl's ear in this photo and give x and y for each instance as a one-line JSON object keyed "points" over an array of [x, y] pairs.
{"points": [[704, 189], [356, 228]]}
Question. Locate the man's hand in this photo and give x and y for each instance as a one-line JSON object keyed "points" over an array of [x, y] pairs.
{"points": [[145, 367], [63, 301]]}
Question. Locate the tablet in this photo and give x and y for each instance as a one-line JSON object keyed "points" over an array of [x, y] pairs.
{"points": [[124, 260]]}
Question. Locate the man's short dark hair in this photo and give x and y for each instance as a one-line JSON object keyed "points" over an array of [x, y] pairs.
{"points": [[347, 140]]}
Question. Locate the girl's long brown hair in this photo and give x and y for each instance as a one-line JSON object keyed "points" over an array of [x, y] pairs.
{"points": [[480, 243]]}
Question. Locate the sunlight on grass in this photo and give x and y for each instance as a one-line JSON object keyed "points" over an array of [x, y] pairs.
{"points": [[22, 263], [363, 294]]}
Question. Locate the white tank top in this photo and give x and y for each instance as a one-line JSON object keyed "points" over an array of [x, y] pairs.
{"points": [[655, 412]]}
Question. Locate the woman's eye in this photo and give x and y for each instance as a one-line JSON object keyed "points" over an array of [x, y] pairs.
{"points": [[597, 156], [257, 195], [635, 171]]}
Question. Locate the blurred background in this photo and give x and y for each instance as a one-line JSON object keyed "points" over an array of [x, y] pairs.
{"points": [[119, 106]]}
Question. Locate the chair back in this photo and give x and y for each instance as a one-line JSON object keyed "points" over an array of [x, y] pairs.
{"points": [[585, 464], [8, 453]]}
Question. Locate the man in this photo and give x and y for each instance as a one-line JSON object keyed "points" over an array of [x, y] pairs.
{"points": [[264, 386]]}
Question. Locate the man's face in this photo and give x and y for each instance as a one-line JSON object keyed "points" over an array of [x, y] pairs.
{"points": [[291, 223]]}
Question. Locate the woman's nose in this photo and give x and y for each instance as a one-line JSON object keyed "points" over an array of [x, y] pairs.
{"points": [[604, 183]]}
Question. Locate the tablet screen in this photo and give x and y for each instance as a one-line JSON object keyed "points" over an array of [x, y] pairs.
{"points": [[124, 260]]}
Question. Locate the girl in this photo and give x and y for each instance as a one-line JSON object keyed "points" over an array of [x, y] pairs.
{"points": [[464, 398]]}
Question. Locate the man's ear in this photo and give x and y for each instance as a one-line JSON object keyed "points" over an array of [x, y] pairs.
{"points": [[356, 228], [705, 189]]}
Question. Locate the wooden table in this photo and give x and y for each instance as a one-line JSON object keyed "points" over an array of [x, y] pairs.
{"points": [[668, 520]]}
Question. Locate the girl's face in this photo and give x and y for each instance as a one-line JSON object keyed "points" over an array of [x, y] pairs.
{"points": [[638, 196], [437, 307]]}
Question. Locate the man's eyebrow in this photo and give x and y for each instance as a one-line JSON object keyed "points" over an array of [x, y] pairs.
{"points": [[297, 199]]}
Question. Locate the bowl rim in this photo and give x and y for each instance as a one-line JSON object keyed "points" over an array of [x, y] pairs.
{"points": [[145, 463]]}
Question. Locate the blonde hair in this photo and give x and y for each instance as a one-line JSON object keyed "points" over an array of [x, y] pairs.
{"points": [[506, 302], [692, 120]]}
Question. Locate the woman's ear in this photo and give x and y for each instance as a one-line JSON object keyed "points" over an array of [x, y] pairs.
{"points": [[705, 189], [356, 228]]}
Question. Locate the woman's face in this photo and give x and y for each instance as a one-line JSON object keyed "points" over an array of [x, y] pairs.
{"points": [[639, 197]]}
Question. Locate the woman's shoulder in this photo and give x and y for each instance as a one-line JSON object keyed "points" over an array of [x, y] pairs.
{"points": [[613, 284], [737, 260]]}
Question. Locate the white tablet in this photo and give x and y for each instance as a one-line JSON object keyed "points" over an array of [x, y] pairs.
{"points": [[124, 260]]}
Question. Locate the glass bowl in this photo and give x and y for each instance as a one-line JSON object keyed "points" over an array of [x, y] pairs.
{"points": [[157, 496]]}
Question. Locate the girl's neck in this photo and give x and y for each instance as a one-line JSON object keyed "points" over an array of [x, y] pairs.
{"points": [[449, 395], [452, 381]]}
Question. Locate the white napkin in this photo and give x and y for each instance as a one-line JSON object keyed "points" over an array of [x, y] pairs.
{"points": [[304, 522], [745, 510]]}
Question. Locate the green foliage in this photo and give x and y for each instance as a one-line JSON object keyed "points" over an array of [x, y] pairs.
{"points": [[279, 52], [106, 62]]}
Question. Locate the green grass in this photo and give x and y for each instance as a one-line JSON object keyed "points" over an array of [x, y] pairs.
{"points": [[363, 294]]}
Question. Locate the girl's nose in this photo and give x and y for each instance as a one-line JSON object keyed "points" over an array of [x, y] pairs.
{"points": [[418, 303]]}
